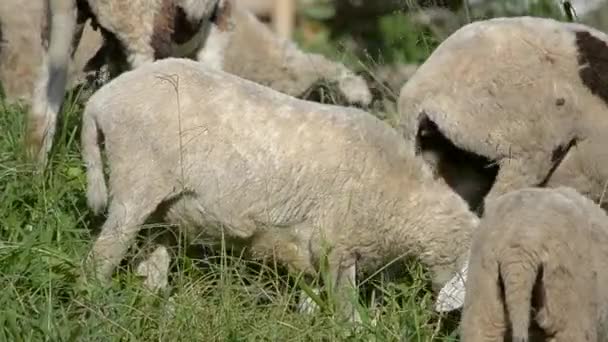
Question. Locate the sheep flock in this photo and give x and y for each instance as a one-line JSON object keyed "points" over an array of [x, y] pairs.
{"points": [[492, 175]]}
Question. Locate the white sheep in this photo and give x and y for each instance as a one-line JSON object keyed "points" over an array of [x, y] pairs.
{"points": [[237, 42], [253, 51], [257, 53], [538, 266], [526, 97], [281, 176], [163, 28]]}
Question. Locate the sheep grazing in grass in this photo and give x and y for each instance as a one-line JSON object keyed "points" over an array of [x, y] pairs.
{"points": [[538, 269], [21, 50], [226, 157], [231, 39], [525, 101], [256, 53], [163, 28]]}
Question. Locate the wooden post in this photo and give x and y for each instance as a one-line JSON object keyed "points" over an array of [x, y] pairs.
{"points": [[283, 17]]}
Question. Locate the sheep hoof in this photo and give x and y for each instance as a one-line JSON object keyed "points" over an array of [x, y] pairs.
{"points": [[451, 295], [155, 269], [307, 305]]}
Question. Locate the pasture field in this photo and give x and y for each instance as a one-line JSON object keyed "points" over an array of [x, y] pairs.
{"points": [[46, 230]]}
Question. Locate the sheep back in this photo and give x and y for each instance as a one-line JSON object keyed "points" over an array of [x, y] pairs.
{"points": [[248, 161], [518, 91]]}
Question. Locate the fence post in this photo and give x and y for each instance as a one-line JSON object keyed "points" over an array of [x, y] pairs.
{"points": [[283, 17]]}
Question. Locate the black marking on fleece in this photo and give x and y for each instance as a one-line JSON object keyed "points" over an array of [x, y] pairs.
{"points": [[558, 155], [453, 157], [593, 62]]}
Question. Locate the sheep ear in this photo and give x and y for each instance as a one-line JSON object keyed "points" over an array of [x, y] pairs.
{"points": [[451, 295]]}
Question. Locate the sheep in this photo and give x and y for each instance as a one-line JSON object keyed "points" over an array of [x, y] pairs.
{"points": [[164, 28], [291, 71], [279, 63], [298, 73], [526, 99], [539, 263], [270, 173], [255, 52], [21, 50]]}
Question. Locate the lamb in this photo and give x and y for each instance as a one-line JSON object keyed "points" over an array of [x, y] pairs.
{"points": [[164, 28], [540, 255], [21, 50], [276, 175], [525, 97], [255, 52], [279, 63], [291, 71]]}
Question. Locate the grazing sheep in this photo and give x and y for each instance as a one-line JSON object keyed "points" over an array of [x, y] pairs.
{"points": [[526, 98], [163, 28], [21, 50], [256, 53], [291, 72], [539, 262], [226, 157], [279, 63]]}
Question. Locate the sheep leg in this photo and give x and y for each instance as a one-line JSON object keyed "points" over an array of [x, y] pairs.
{"points": [[51, 81], [213, 52], [42, 118], [483, 320], [344, 287], [558, 300], [218, 37], [117, 235], [307, 305]]}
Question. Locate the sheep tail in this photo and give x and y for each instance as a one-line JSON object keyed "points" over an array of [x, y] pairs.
{"points": [[97, 191], [518, 280], [50, 87]]}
